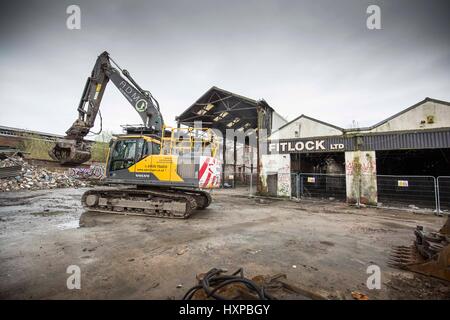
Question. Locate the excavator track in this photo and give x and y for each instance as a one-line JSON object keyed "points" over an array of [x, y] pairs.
{"points": [[161, 203]]}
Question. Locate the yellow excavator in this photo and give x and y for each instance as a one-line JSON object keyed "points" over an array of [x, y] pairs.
{"points": [[430, 254], [159, 171]]}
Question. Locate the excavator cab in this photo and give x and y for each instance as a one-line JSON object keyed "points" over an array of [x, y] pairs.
{"points": [[130, 150], [184, 158]]}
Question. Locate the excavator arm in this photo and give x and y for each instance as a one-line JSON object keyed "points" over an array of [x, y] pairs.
{"points": [[73, 149]]}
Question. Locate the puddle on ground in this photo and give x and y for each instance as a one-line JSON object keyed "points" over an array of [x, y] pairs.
{"points": [[47, 213], [68, 225]]}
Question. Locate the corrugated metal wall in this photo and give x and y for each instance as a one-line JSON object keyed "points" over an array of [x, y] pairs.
{"points": [[373, 142], [407, 140]]}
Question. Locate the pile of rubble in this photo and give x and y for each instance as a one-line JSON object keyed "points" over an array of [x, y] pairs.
{"points": [[31, 177]]}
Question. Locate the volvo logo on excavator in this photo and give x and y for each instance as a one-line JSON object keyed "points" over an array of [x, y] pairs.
{"points": [[141, 105]]}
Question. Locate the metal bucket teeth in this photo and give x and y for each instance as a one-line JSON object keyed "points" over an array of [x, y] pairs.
{"points": [[402, 256]]}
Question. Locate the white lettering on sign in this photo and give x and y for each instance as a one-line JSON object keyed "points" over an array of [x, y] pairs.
{"points": [[336, 146], [309, 145], [298, 146]]}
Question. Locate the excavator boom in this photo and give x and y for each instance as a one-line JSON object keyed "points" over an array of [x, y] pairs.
{"points": [[73, 149]]}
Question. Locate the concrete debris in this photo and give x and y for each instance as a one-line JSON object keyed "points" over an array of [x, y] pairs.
{"points": [[35, 178], [182, 251]]}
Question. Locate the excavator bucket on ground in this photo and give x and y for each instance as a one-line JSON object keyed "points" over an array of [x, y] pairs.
{"points": [[430, 254]]}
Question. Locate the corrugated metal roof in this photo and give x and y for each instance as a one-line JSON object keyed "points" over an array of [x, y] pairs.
{"points": [[221, 109]]}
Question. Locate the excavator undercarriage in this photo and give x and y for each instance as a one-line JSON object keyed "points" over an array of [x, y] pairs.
{"points": [[163, 203]]}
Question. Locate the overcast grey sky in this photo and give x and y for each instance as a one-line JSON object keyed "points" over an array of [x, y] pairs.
{"points": [[312, 57]]}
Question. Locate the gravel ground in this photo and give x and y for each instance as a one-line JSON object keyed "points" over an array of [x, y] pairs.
{"points": [[324, 247]]}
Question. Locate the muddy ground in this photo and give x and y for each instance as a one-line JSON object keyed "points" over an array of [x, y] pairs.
{"points": [[324, 247]]}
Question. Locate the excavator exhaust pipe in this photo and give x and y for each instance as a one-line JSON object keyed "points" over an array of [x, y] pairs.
{"points": [[70, 152]]}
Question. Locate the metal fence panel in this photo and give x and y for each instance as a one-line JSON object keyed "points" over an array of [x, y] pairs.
{"points": [[295, 185], [417, 192], [410, 191], [318, 185], [443, 194]]}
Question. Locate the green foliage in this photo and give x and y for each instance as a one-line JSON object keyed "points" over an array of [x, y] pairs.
{"points": [[36, 147], [100, 148], [99, 152]]}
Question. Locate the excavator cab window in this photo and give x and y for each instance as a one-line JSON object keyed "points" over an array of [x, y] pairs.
{"points": [[126, 153], [151, 148]]}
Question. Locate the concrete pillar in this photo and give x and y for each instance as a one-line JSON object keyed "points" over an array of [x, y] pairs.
{"points": [[361, 177], [224, 158], [259, 185], [234, 162]]}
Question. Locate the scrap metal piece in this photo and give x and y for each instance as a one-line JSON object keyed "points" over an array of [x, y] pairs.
{"points": [[215, 284], [430, 254]]}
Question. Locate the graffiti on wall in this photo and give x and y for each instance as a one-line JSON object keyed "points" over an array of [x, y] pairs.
{"points": [[284, 180], [93, 172], [368, 167]]}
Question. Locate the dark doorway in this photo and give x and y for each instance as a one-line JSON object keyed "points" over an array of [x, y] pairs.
{"points": [[326, 163], [425, 162], [408, 177]]}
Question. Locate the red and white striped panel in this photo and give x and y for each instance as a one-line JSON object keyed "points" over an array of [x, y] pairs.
{"points": [[209, 174]]}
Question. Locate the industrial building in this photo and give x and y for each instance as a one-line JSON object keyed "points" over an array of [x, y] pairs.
{"points": [[398, 159], [356, 164], [223, 110]]}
